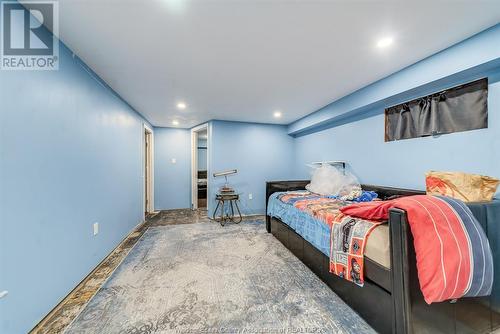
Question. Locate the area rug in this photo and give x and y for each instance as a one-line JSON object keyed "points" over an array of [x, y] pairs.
{"points": [[204, 278]]}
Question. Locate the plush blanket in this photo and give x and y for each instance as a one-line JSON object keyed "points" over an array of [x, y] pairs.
{"points": [[453, 254]]}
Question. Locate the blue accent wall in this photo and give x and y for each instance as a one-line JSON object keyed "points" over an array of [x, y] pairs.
{"points": [[172, 180], [71, 155], [260, 153]]}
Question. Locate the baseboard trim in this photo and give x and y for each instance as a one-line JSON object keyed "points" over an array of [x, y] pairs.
{"points": [[109, 276], [81, 283]]}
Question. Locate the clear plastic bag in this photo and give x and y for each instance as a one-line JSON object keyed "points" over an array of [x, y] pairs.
{"points": [[333, 181]]}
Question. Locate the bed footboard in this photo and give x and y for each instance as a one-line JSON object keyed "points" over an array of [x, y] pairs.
{"points": [[411, 313], [400, 271]]}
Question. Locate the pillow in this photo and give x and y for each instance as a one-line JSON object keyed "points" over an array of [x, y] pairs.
{"points": [[329, 181], [462, 186], [324, 180]]}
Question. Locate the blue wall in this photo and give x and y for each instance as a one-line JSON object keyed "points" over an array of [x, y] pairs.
{"points": [[359, 138], [404, 163], [71, 155], [172, 180], [259, 152]]}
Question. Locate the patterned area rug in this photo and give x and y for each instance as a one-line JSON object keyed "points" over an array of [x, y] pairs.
{"points": [[204, 278]]}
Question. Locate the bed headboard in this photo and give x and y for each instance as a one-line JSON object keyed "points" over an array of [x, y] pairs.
{"points": [[388, 192]]}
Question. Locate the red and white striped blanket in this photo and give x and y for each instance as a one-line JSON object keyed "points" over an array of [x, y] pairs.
{"points": [[453, 253]]}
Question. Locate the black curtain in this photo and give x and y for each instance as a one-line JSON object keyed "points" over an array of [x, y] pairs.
{"points": [[460, 108]]}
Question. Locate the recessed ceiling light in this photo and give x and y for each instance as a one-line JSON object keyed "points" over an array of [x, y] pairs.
{"points": [[385, 42], [277, 114], [181, 105], [175, 122]]}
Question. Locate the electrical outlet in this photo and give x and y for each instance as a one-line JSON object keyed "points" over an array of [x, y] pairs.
{"points": [[250, 196], [96, 228]]}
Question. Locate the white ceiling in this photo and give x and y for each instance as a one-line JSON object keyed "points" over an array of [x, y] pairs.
{"points": [[242, 60]]}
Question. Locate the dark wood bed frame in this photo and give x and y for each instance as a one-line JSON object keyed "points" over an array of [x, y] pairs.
{"points": [[391, 300]]}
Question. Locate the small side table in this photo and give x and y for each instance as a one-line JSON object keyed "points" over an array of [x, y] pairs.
{"points": [[232, 201]]}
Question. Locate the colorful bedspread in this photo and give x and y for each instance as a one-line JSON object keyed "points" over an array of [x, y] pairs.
{"points": [[453, 254], [345, 241], [311, 229]]}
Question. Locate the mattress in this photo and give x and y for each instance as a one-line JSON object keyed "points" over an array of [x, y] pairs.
{"points": [[377, 246], [317, 233]]}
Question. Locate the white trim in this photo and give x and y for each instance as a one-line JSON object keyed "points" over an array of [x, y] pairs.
{"points": [[150, 207], [194, 162], [194, 168]]}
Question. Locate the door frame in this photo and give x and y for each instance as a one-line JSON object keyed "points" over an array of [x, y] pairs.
{"points": [[194, 163], [151, 173]]}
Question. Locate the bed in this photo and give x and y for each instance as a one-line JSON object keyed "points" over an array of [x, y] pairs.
{"points": [[390, 300]]}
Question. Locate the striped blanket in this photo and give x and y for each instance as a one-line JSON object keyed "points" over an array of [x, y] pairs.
{"points": [[453, 254]]}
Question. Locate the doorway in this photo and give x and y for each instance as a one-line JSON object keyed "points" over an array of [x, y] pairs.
{"points": [[148, 170], [199, 167]]}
